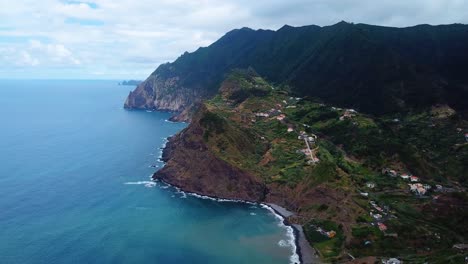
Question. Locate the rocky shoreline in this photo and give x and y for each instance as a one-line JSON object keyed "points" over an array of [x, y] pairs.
{"points": [[305, 253], [186, 156]]}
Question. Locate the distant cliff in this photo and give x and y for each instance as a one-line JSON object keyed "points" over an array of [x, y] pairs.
{"points": [[131, 82], [374, 69]]}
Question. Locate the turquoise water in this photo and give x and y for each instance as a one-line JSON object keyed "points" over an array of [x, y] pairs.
{"points": [[74, 172]]}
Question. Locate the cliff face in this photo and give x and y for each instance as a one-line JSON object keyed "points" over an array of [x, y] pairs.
{"points": [[374, 69], [192, 166], [165, 92]]}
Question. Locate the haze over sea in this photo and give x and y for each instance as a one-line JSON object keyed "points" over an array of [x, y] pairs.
{"points": [[74, 186]]}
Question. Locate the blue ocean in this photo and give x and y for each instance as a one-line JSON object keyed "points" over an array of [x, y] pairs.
{"points": [[75, 186]]}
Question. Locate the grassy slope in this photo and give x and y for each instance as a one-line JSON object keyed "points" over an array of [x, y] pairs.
{"points": [[352, 153]]}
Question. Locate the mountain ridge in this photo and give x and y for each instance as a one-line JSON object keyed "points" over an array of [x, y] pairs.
{"points": [[372, 68]]}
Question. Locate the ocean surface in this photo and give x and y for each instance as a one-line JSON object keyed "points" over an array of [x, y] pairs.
{"points": [[75, 186]]}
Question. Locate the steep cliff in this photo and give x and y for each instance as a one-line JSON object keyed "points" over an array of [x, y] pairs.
{"points": [[374, 69], [163, 91], [194, 167]]}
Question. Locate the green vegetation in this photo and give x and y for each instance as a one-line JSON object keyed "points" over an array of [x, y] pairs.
{"points": [[351, 153], [329, 246]]}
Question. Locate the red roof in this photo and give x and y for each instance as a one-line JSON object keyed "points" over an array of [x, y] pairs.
{"points": [[382, 227]]}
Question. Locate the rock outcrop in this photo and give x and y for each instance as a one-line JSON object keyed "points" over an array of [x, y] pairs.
{"points": [[193, 167]]}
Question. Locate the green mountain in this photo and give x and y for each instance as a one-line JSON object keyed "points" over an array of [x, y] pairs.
{"points": [[329, 123], [374, 69], [338, 170]]}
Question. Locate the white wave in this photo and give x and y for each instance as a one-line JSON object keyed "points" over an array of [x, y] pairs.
{"points": [[283, 243], [148, 184], [291, 242], [294, 258]]}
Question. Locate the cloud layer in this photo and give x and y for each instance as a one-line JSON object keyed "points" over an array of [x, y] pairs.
{"points": [[121, 39]]}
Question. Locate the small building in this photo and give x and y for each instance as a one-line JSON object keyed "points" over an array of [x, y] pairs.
{"points": [[413, 187], [370, 185], [331, 234], [376, 216], [389, 172], [392, 261], [281, 117], [290, 129], [466, 137], [405, 176], [262, 115], [382, 227], [414, 179], [421, 191], [365, 194]]}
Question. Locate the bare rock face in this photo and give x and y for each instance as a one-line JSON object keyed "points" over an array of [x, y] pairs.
{"points": [[191, 166], [162, 93]]}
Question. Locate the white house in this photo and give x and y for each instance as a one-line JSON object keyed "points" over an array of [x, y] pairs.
{"points": [[405, 176]]}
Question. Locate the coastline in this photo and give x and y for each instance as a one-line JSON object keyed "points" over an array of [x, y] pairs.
{"points": [[302, 251], [307, 254]]}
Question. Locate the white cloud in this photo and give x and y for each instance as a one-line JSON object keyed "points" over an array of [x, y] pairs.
{"points": [[128, 38]]}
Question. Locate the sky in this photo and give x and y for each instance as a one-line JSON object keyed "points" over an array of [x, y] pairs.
{"points": [[128, 39]]}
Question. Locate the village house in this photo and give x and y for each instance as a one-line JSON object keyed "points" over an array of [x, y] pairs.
{"points": [[305, 151], [392, 261], [376, 216], [405, 176], [290, 129], [365, 194], [419, 188], [414, 179], [382, 227], [389, 172], [274, 112], [370, 185], [313, 160], [466, 137], [262, 115], [281, 117], [331, 234]]}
